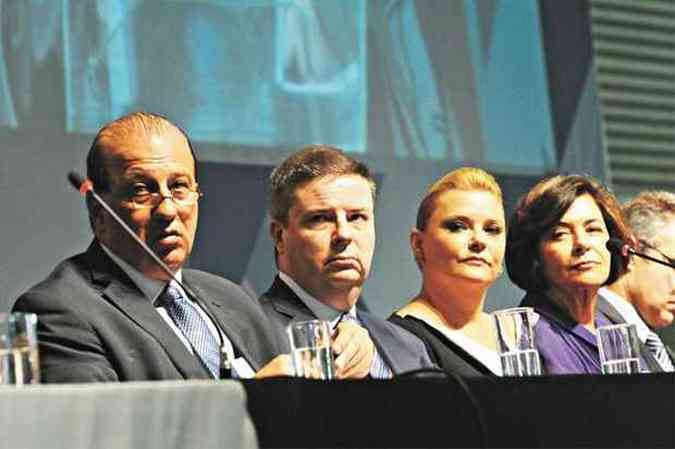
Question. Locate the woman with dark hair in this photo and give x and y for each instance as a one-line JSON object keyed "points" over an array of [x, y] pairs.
{"points": [[458, 244], [556, 251]]}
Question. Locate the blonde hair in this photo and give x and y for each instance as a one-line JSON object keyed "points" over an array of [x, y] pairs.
{"points": [[464, 178]]}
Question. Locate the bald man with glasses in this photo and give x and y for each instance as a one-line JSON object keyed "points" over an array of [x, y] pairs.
{"points": [[112, 313]]}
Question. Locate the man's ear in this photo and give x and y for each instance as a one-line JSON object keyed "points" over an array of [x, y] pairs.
{"points": [[276, 232], [416, 246], [95, 212], [630, 266]]}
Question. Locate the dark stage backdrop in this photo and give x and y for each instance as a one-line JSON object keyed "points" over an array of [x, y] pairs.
{"points": [[414, 88]]}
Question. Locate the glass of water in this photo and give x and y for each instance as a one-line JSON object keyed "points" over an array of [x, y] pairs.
{"points": [[619, 349], [19, 363], [310, 348], [515, 341]]}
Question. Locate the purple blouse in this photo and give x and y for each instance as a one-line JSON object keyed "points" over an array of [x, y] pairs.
{"points": [[565, 346]]}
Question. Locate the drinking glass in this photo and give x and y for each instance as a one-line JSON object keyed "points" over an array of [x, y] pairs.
{"points": [[310, 348], [515, 341], [19, 363], [619, 349]]}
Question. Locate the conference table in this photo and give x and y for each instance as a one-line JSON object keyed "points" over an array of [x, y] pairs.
{"points": [[408, 412], [549, 411]]}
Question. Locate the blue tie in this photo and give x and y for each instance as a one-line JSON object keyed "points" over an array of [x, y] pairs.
{"points": [[194, 327], [378, 369]]}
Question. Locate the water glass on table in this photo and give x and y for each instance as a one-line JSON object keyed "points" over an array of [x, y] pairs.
{"points": [[619, 349], [515, 341], [311, 349], [19, 363]]}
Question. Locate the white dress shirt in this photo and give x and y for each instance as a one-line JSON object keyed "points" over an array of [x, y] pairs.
{"points": [[322, 311], [152, 288]]}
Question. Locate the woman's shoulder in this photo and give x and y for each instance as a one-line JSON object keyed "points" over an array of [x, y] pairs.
{"points": [[448, 354], [409, 323]]}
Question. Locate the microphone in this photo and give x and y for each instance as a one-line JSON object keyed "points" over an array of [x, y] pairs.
{"points": [[618, 246]]}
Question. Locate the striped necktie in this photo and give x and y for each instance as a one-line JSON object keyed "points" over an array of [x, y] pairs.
{"points": [[193, 325], [378, 369], [658, 349]]}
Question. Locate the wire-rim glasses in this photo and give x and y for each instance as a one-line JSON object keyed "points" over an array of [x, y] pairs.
{"points": [[670, 260], [181, 197]]}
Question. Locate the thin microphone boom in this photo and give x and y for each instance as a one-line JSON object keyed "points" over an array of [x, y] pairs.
{"points": [[86, 188], [618, 246]]}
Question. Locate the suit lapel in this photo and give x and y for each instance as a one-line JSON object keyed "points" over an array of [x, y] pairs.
{"points": [[610, 312], [671, 353], [234, 329], [287, 303], [119, 290]]}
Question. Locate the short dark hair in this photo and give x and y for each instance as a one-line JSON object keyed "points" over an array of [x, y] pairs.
{"points": [[539, 210], [305, 165], [127, 125]]}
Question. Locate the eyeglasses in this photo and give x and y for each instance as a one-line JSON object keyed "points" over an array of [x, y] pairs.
{"points": [[670, 260], [181, 196]]}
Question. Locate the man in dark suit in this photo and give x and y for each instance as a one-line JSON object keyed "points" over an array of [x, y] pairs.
{"points": [[112, 313], [323, 226], [645, 294]]}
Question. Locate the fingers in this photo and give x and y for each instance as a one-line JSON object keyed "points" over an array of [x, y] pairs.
{"points": [[343, 334], [348, 358], [353, 364], [355, 351], [281, 365]]}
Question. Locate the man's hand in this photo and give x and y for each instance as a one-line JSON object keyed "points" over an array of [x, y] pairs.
{"points": [[354, 350], [281, 365]]}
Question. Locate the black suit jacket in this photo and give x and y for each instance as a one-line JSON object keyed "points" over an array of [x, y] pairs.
{"points": [[401, 350], [94, 324]]}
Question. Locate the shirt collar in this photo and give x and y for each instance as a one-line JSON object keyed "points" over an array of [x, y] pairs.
{"points": [[151, 288], [627, 312], [554, 312], [320, 310]]}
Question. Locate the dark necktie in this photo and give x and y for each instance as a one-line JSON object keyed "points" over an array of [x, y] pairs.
{"points": [[188, 319], [379, 369]]}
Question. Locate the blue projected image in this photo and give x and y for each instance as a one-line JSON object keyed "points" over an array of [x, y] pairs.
{"points": [[459, 81], [270, 74], [508, 59]]}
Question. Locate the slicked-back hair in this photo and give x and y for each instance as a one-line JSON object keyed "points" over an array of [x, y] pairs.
{"points": [[648, 213], [540, 210], [464, 178], [126, 127], [305, 165]]}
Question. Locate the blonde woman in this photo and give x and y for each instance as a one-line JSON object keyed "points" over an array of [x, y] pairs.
{"points": [[458, 244]]}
